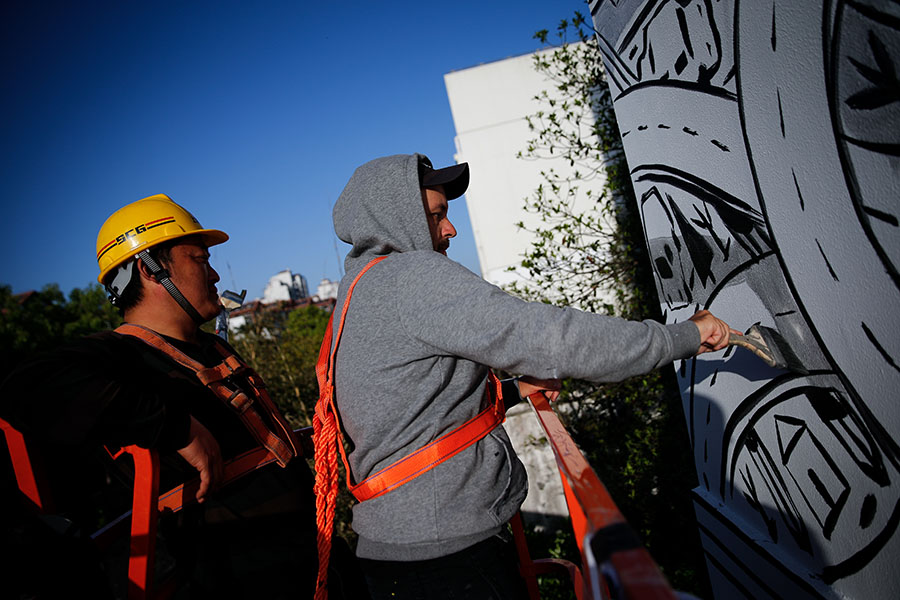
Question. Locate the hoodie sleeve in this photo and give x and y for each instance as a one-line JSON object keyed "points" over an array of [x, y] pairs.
{"points": [[449, 308]]}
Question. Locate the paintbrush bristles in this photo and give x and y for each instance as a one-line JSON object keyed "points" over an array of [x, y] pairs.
{"points": [[784, 356]]}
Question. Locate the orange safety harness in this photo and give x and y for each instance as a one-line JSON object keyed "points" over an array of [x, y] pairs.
{"points": [[258, 414], [277, 444], [327, 434]]}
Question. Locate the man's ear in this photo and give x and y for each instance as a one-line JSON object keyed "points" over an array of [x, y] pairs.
{"points": [[144, 271]]}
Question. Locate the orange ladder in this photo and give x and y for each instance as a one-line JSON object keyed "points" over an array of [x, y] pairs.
{"points": [[614, 564]]}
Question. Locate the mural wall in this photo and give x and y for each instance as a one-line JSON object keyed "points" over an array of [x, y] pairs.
{"points": [[763, 139]]}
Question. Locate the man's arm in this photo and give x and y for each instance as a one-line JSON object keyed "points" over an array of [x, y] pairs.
{"points": [[203, 453], [457, 313]]}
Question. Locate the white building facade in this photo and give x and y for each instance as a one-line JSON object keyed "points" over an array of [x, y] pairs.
{"points": [[327, 289], [490, 103], [285, 285]]}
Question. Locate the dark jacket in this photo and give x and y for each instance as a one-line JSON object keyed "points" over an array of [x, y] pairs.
{"points": [[256, 536]]}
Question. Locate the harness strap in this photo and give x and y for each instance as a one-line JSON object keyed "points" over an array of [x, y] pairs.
{"points": [[162, 276], [327, 434], [237, 467], [325, 430], [282, 444], [289, 449], [433, 454]]}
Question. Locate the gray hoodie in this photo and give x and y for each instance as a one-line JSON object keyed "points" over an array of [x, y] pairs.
{"points": [[420, 333]]}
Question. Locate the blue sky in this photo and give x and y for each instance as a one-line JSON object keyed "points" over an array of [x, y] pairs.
{"points": [[251, 115]]}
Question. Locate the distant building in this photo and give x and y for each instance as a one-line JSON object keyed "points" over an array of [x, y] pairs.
{"points": [[285, 286], [284, 292], [327, 289], [245, 315]]}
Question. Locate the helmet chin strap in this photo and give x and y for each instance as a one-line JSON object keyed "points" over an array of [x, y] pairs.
{"points": [[162, 276]]}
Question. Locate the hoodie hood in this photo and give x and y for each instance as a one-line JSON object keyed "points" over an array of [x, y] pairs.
{"points": [[381, 212]]}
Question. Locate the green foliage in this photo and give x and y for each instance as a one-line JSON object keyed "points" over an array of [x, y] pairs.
{"points": [[634, 435], [632, 432], [561, 545], [591, 259], [90, 311], [40, 320], [301, 340], [284, 348]]}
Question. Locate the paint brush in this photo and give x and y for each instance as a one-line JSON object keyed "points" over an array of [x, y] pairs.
{"points": [[770, 346]]}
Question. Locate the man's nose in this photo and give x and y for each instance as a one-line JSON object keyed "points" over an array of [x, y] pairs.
{"points": [[449, 229], [213, 275]]}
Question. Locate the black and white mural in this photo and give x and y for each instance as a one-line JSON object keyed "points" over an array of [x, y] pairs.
{"points": [[763, 138]]}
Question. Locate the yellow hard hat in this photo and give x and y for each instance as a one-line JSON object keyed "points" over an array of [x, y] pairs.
{"points": [[144, 224]]}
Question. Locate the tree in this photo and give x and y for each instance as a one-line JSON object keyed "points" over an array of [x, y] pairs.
{"points": [[632, 432], [89, 311], [284, 348], [593, 260], [31, 321], [302, 338], [39, 320]]}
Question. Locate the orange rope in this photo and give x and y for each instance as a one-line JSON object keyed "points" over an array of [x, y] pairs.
{"points": [[325, 427], [326, 488], [328, 442]]}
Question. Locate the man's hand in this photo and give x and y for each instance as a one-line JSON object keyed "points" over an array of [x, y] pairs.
{"points": [[530, 385], [713, 331], [203, 453]]}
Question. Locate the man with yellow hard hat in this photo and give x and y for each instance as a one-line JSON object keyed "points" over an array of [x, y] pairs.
{"points": [[160, 382], [125, 241]]}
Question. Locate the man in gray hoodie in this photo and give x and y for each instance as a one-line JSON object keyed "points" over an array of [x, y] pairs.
{"points": [[420, 335]]}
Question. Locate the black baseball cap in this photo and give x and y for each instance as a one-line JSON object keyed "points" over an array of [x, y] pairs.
{"points": [[454, 178]]}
